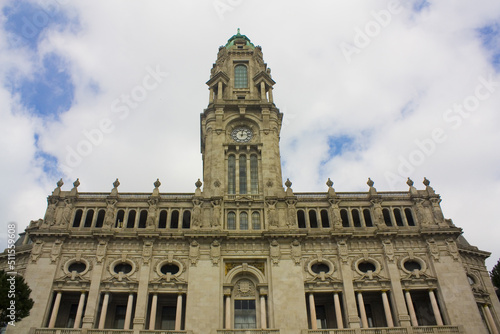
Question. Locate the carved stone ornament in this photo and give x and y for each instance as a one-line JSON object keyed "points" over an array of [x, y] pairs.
{"points": [[275, 252], [101, 250], [452, 248], [388, 249], [215, 252], [147, 251], [216, 214], [291, 213], [196, 216], [56, 250], [244, 288], [272, 218], [194, 253], [433, 249], [296, 251], [343, 250], [36, 251]]}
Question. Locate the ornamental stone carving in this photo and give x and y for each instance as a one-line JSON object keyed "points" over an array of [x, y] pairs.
{"points": [[275, 252], [272, 218], [194, 253], [196, 217], [215, 252], [66, 215], [109, 219], [296, 251], [216, 214], [56, 250], [244, 288]]}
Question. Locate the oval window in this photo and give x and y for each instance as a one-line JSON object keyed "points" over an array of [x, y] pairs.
{"points": [[320, 267], [366, 266], [169, 268], [412, 265], [123, 268], [79, 267]]}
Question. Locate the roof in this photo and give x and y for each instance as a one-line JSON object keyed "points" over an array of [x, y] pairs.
{"points": [[230, 41]]}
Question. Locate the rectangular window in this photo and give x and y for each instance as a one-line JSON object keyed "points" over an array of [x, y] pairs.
{"points": [[168, 317], [231, 175], [243, 174], [244, 314], [120, 312], [254, 175]]}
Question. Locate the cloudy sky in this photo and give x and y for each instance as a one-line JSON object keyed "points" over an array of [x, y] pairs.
{"points": [[99, 90]]}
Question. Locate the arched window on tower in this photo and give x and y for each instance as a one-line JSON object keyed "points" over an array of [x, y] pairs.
{"points": [[243, 174], [243, 221], [231, 174], [240, 76], [231, 221], [254, 175], [256, 221]]}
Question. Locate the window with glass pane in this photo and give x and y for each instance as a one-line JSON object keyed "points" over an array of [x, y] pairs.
{"points": [[244, 314], [231, 221], [168, 317], [231, 174], [240, 76], [243, 221], [256, 221], [254, 175], [243, 174], [120, 316]]}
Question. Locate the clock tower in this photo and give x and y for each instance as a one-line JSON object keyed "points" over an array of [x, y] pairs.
{"points": [[241, 126]]}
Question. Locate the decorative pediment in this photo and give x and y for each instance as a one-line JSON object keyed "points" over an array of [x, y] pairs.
{"points": [[219, 76]]}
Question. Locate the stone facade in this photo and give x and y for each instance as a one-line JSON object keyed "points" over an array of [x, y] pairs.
{"points": [[244, 255]]}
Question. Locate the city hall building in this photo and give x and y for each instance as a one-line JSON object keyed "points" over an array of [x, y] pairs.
{"points": [[245, 254]]}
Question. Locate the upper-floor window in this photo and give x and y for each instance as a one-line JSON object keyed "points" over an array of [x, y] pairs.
{"points": [[240, 76], [239, 179]]}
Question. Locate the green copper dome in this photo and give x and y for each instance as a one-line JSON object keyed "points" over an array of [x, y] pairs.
{"points": [[230, 42]]}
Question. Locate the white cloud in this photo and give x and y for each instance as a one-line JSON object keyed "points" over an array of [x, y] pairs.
{"points": [[426, 62]]}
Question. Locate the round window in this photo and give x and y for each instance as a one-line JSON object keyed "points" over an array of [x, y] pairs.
{"points": [[169, 268], [122, 268], [366, 267], [79, 267], [412, 265], [320, 267]]}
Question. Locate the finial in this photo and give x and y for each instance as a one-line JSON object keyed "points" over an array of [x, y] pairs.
{"points": [[426, 182], [198, 184], [60, 183], [76, 183], [409, 182], [288, 183], [238, 31], [329, 183], [157, 183], [370, 183], [116, 183]]}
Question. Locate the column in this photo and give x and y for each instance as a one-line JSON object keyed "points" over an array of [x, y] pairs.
{"points": [[211, 95], [338, 310], [178, 313], [362, 311], [263, 91], [55, 310], [228, 312], [263, 315], [409, 303], [152, 318], [79, 311], [312, 311], [219, 91], [104, 310], [271, 94], [435, 308], [387, 309], [128, 314], [489, 319]]}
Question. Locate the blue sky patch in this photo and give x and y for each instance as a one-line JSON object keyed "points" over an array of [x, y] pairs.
{"points": [[25, 22], [490, 38], [49, 92], [338, 145], [419, 5], [47, 161]]}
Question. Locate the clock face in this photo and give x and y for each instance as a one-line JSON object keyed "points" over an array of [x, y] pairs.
{"points": [[241, 134]]}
